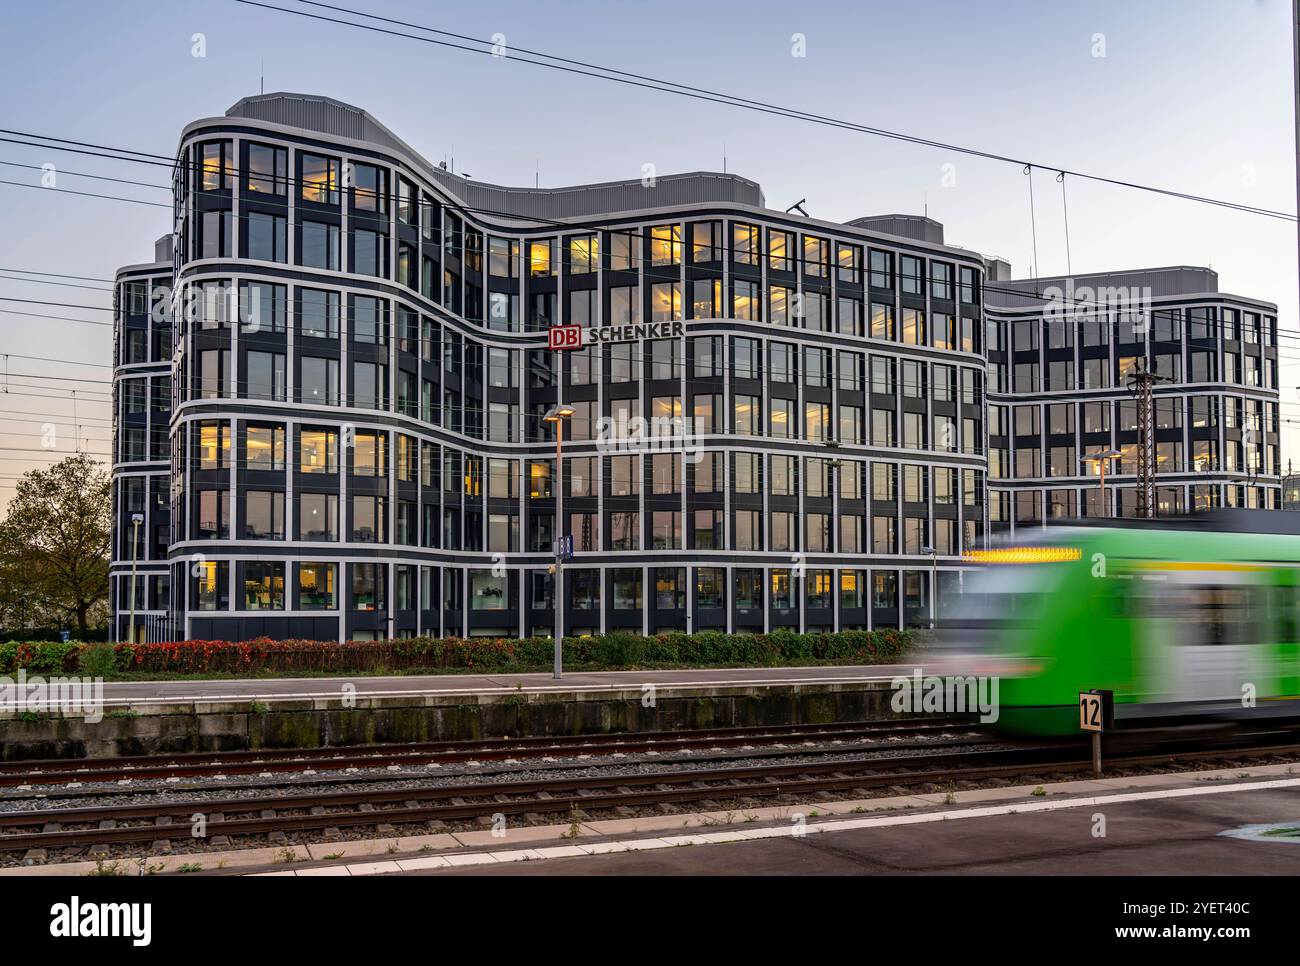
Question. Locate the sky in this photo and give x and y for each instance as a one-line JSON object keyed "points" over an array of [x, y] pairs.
{"points": [[1190, 95]]}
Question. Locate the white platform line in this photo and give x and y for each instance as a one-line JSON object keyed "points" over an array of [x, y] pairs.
{"points": [[527, 689], [541, 854]]}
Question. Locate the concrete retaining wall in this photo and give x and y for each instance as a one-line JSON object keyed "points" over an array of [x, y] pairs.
{"points": [[201, 726]]}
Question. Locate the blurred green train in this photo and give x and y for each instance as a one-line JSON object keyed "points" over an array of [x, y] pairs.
{"points": [[1188, 618]]}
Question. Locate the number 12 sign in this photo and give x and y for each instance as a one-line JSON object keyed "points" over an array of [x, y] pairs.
{"points": [[1096, 710], [564, 337]]}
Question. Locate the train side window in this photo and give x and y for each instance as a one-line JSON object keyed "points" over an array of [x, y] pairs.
{"points": [[1223, 615], [1284, 602]]}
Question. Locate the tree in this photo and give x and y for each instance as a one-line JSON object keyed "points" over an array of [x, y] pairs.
{"points": [[54, 544]]}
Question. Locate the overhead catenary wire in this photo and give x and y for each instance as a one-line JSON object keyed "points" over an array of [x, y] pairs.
{"points": [[1065, 214], [641, 258], [567, 226], [505, 213], [1033, 224], [641, 81], [82, 278], [83, 174], [627, 78]]}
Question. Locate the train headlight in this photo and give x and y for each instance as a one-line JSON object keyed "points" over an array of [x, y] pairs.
{"points": [[1024, 555]]}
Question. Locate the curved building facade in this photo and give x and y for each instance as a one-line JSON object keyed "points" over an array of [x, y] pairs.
{"points": [[776, 421], [142, 406], [772, 421], [1061, 352]]}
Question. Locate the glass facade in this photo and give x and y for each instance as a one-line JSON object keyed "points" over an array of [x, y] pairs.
{"points": [[361, 380]]}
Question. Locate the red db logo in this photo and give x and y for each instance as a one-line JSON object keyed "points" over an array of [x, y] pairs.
{"points": [[564, 337]]}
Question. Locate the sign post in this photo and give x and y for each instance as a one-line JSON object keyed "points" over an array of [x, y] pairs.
{"points": [[1096, 714]]}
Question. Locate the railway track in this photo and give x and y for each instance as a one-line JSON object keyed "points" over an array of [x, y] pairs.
{"points": [[432, 806], [205, 764]]}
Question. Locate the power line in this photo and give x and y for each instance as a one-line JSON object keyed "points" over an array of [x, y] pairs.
{"points": [[50, 281], [41, 449], [36, 375], [97, 422], [86, 194], [83, 278], [68, 362], [562, 225], [94, 154], [699, 93], [1077, 302], [57, 318], [82, 174], [66, 305], [61, 396]]}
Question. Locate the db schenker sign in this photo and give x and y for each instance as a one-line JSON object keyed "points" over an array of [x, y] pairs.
{"points": [[575, 336]]}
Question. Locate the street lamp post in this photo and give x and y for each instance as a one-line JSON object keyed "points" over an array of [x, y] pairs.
{"points": [[934, 580], [136, 520], [1101, 459], [557, 415]]}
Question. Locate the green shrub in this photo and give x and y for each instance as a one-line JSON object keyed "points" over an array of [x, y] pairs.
{"points": [[617, 649], [96, 661], [39, 657]]}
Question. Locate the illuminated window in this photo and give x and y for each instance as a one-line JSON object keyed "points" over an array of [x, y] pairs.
{"points": [[782, 588], [780, 250], [539, 478], [214, 446], [665, 302], [746, 303], [816, 256], [851, 589], [264, 447], [369, 452], [211, 585], [539, 258], [263, 585], [705, 242], [316, 586], [266, 170], [849, 263], [780, 299], [745, 244], [665, 245], [584, 254], [320, 179], [214, 166]]}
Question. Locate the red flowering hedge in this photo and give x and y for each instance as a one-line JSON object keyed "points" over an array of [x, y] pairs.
{"points": [[488, 653]]}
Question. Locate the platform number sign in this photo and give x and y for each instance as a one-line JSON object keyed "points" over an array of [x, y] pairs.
{"points": [[1090, 711], [564, 337], [1096, 710]]}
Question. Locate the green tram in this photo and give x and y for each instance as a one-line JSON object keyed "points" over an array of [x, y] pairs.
{"points": [[1184, 618]]}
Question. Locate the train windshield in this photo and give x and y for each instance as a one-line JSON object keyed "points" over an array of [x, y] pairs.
{"points": [[1004, 593]]}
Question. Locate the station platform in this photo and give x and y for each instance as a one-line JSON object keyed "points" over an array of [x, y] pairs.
{"points": [[169, 717], [135, 693]]}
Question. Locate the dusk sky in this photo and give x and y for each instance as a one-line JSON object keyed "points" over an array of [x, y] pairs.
{"points": [[1191, 95]]}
